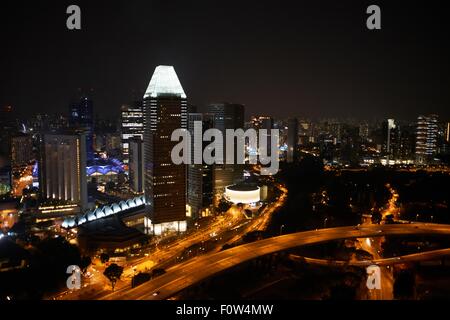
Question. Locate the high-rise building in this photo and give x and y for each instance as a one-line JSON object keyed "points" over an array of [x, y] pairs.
{"points": [[47, 123], [132, 125], [8, 128], [426, 138], [113, 143], [165, 108], [199, 184], [390, 139], [265, 123], [336, 130], [292, 140], [262, 122], [21, 150], [82, 117], [447, 132], [63, 169], [136, 164], [364, 131], [226, 116]]}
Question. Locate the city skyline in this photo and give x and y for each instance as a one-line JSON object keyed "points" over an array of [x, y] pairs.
{"points": [[244, 151], [320, 58]]}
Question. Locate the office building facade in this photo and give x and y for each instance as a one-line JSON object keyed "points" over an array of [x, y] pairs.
{"points": [[226, 116], [265, 123], [199, 183], [426, 138], [136, 164], [21, 150], [63, 169], [132, 125], [165, 105]]}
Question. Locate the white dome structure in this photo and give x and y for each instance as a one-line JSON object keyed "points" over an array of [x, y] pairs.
{"points": [[242, 193]]}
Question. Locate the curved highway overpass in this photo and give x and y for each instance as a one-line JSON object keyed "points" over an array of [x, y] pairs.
{"points": [[200, 268], [415, 257]]}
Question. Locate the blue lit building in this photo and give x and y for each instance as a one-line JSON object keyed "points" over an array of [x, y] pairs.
{"points": [[104, 170]]}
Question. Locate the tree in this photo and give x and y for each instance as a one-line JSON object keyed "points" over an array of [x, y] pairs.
{"points": [[52, 257], [376, 216], [85, 262], [223, 206], [113, 273], [104, 257]]}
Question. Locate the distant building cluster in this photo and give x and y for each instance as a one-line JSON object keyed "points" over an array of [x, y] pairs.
{"points": [[388, 142]]}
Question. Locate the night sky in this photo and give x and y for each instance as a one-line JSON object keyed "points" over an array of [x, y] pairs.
{"points": [[282, 58]]}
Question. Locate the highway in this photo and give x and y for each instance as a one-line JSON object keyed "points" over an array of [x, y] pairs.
{"points": [[187, 274], [415, 257], [392, 208], [374, 247], [262, 222], [98, 286]]}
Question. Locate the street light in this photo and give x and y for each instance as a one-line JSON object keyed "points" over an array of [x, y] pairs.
{"points": [[325, 222], [281, 229]]}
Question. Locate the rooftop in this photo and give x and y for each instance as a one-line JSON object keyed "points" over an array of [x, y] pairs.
{"points": [[243, 187], [164, 82]]}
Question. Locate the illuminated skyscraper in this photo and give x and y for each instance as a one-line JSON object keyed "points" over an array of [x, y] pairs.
{"points": [[200, 184], [262, 122], [447, 132], [265, 123], [165, 108], [426, 138], [364, 131], [21, 150], [63, 168], [136, 164], [226, 116], [390, 139], [132, 125]]}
